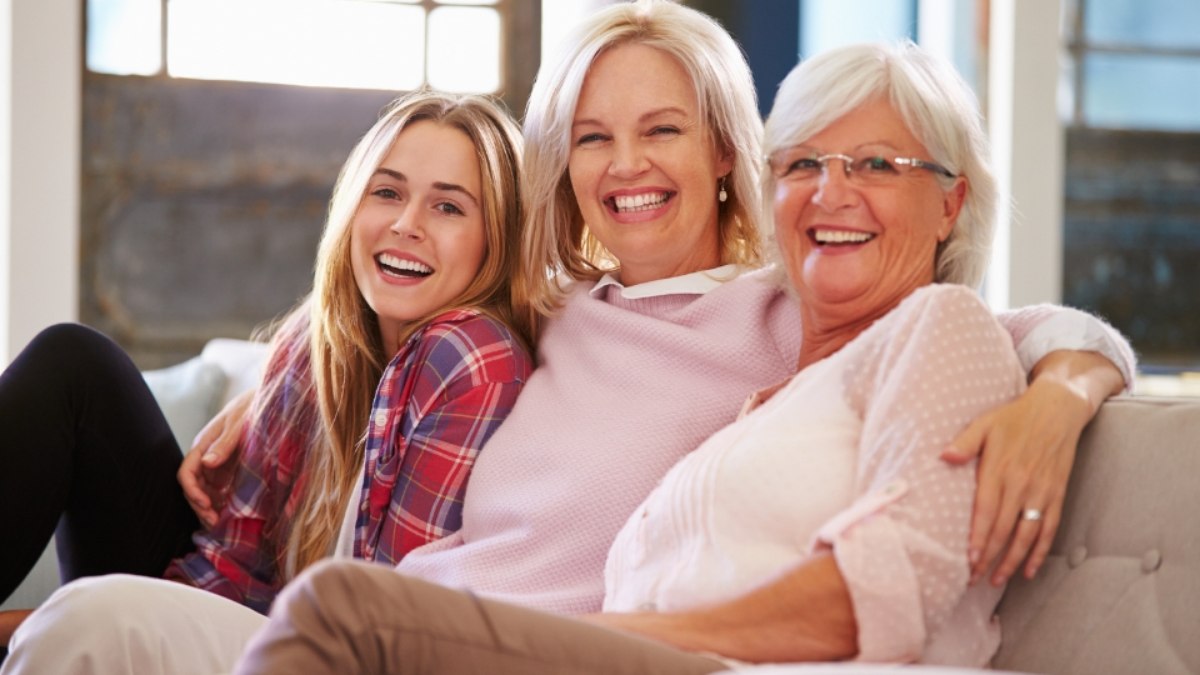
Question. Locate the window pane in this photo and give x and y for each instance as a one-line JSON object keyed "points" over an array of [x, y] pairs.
{"points": [[336, 43], [825, 24], [124, 37], [1141, 91], [464, 49], [1157, 23]]}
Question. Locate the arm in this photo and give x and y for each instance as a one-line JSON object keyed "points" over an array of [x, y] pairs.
{"points": [[1076, 362], [466, 381], [10, 620], [766, 625], [208, 468]]}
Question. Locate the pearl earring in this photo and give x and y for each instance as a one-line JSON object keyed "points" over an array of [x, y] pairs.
{"points": [[722, 195]]}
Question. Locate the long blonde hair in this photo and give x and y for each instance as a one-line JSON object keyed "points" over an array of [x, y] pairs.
{"points": [[335, 334], [557, 240]]}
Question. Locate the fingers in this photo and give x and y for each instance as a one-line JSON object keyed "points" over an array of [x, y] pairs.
{"points": [[1045, 538], [969, 443], [987, 506], [195, 489], [1000, 532], [1026, 533], [221, 448]]}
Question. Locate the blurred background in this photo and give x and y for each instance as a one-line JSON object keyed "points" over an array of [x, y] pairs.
{"points": [[168, 162]]}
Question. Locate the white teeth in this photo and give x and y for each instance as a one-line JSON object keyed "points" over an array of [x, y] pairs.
{"points": [[841, 237], [403, 264], [642, 202]]}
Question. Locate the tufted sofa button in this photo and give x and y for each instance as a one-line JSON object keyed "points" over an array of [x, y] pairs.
{"points": [[1076, 557], [1151, 560]]}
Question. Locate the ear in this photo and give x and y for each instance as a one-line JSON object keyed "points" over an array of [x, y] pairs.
{"points": [[952, 203], [724, 160]]}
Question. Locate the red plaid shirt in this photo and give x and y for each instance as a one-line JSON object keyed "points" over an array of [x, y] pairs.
{"points": [[438, 401]]}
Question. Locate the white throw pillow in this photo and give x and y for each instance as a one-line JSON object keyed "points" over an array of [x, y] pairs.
{"points": [[189, 394]]}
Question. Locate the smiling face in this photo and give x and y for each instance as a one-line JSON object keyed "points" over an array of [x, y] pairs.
{"points": [[417, 240], [644, 166], [853, 252]]}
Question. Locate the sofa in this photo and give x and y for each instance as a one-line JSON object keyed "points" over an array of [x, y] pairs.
{"points": [[1120, 592]]}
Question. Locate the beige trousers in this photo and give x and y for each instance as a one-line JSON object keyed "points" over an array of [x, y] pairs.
{"points": [[352, 617]]}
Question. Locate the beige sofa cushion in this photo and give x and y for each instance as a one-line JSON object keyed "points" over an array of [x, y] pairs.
{"points": [[1120, 592]]}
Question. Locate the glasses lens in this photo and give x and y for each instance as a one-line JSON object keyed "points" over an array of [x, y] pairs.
{"points": [[795, 164], [873, 169]]}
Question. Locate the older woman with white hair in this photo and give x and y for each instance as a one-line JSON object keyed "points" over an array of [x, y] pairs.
{"points": [[822, 524]]}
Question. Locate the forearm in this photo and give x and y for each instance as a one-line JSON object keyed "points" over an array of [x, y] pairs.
{"points": [[1089, 376], [10, 620], [805, 615]]}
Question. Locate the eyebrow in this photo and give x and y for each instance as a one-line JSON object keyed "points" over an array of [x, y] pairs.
{"points": [[643, 118], [437, 185]]}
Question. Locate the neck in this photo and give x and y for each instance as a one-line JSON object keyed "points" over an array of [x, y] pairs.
{"points": [[825, 334], [699, 259]]}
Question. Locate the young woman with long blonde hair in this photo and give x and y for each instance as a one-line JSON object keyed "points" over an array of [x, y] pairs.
{"points": [[380, 387]]}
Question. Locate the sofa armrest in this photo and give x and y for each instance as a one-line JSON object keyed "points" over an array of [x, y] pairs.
{"points": [[1120, 591]]}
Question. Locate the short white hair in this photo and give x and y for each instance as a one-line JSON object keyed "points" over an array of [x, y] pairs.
{"points": [[935, 103]]}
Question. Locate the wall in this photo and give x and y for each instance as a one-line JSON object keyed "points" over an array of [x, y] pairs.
{"points": [[203, 203], [39, 167]]}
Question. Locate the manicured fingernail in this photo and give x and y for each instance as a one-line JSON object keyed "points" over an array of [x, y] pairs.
{"points": [[973, 555]]}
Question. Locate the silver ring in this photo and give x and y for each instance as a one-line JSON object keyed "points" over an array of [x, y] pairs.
{"points": [[1031, 514]]}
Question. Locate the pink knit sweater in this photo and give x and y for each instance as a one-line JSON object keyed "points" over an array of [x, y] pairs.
{"points": [[624, 389]]}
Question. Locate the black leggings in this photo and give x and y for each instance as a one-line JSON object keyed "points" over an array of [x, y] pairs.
{"points": [[84, 448]]}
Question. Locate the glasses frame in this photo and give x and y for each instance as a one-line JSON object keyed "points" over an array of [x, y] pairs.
{"points": [[848, 162]]}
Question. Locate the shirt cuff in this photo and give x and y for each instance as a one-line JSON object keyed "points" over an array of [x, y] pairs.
{"points": [[1071, 329], [873, 560]]}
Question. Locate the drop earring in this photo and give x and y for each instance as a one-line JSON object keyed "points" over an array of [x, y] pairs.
{"points": [[722, 195]]}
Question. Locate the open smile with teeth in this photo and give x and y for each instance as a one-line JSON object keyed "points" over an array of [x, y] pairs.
{"points": [[402, 267], [643, 202], [823, 237]]}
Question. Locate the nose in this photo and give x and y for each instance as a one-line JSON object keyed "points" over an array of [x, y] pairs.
{"points": [[834, 189], [628, 159], [410, 224]]}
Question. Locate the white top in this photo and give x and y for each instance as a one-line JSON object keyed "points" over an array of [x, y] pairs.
{"points": [[844, 457]]}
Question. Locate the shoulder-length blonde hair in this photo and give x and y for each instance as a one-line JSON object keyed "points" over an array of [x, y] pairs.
{"points": [[337, 333], [557, 240]]}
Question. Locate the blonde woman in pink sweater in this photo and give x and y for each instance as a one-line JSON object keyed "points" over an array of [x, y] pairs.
{"points": [[643, 189]]}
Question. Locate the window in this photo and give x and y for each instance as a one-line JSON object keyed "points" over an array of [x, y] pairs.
{"points": [[452, 45], [1131, 234], [1134, 64]]}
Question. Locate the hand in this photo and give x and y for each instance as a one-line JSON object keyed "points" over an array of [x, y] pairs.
{"points": [[9, 622], [207, 469], [1026, 449]]}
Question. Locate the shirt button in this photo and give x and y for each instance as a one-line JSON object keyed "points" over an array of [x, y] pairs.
{"points": [[380, 418]]}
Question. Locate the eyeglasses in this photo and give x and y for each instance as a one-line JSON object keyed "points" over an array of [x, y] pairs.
{"points": [[872, 168]]}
